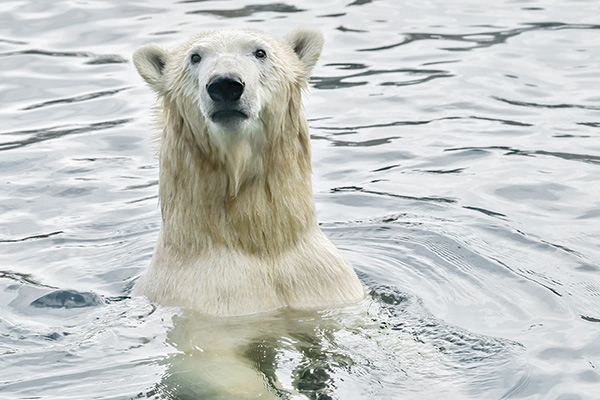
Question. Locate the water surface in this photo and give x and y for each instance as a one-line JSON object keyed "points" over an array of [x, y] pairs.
{"points": [[456, 160]]}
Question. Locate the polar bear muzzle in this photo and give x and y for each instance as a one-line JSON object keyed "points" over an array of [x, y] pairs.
{"points": [[225, 91]]}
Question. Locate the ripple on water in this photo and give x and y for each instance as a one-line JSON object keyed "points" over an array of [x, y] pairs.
{"points": [[388, 346]]}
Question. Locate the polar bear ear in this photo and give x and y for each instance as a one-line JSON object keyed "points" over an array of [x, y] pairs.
{"points": [[150, 61], [307, 44]]}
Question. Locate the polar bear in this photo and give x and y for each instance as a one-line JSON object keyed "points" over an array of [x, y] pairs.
{"points": [[239, 233]]}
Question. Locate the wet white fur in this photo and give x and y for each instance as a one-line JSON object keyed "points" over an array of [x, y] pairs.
{"points": [[239, 233]]}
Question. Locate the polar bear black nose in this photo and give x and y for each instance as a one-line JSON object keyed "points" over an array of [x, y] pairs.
{"points": [[222, 88]]}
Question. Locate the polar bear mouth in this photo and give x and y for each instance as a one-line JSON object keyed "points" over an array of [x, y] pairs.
{"points": [[228, 116]]}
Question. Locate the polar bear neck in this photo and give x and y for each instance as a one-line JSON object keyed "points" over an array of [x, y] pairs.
{"points": [[271, 207]]}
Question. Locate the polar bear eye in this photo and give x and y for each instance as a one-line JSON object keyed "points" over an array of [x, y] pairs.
{"points": [[260, 53], [195, 58]]}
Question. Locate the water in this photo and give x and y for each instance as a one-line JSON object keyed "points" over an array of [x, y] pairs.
{"points": [[456, 163]]}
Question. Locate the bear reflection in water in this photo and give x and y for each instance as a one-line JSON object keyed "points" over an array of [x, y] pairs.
{"points": [[386, 346]]}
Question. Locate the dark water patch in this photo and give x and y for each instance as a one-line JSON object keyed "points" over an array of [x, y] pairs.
{"points": [[108, 159], [481, 39], [68, 299], [46, 53], [251, 10], [107, 59], [23, 278], [502, 121], [334, 83], [351, 66], [588, 268], [444, 171], [486, 212], [589, 319], [365, 143], [557, 26], [117, 299], [359, 3], [530, 276], [486, 149], [440, 62], [344, 29], [590, 214], [337, 133], [43, 134], [363, 190], [105, 234], [383, 125], [55, 336], [539, 105], [376, 223], [77, 99], [386, 168], [562, 248], [568, 136], [143, 186], [12, 41], [590, 124], [337, 82], [336, 15], [75, 192], [534, 193], [164, 33], [143, 199], [33, 237], [585, 158], [96, 58], [416, 81]]}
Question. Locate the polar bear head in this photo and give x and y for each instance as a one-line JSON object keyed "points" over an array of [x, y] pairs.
{"points": [[235, 91]]}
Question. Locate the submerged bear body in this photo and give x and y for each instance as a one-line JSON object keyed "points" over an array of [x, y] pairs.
{"points": [[239, 233]]}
